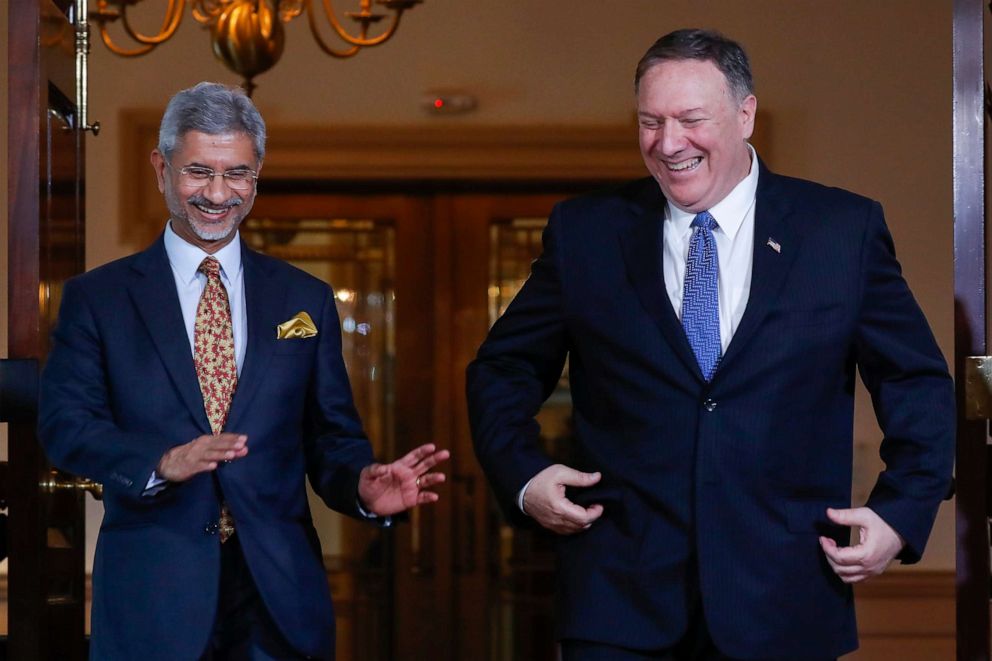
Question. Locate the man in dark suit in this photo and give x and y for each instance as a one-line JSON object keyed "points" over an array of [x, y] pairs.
{"points": [[201, 383], [713, 318]]}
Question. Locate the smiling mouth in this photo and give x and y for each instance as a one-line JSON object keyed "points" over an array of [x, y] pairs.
{"points": [[213, 210], [686, 165]]}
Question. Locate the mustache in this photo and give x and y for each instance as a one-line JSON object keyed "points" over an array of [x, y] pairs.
{"points": [[199, 200]]}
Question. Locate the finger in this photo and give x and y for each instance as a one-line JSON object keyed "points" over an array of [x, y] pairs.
{"points": [[425, 497], [849, 517], [223, 441], [412, 457], [850, 555], [573, 478], [376, 471], [432, 460], [578, 515], [430, 479], [843, 555], [594, 512]]}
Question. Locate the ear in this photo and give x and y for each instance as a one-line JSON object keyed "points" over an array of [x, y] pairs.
{"points": [[746, 115], [158, 163]]}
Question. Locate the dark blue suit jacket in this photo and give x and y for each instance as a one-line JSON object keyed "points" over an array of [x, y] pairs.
{"points": [[120, 389], [719, 487]]}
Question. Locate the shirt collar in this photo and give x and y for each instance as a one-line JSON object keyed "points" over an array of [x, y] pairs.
{"points": [[728, 212], [185, 258]]}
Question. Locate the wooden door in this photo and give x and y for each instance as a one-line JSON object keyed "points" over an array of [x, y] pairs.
{"points": [[452, 582], [503, 577], [46, 580], [974, 457], [389, 586]]}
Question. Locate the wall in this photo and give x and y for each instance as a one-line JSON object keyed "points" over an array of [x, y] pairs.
{"points": [[853, 94]]}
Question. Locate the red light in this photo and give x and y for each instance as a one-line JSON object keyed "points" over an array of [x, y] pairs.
{"points": [[438, 104]]}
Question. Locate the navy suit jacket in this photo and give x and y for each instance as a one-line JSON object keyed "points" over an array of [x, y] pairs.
{"points": [[717, 490], [119, 390]]}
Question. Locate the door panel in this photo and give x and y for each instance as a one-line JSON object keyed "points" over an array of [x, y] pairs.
{"points": [[419, 278], [504, 588], [974, 454], [45, 246], [375, 252]]}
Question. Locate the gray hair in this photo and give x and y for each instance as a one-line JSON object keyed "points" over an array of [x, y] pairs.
{"points": [[706, 45], [213, 109]]}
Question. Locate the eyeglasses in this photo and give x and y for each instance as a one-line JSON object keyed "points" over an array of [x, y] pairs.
{"points": [[195, 176]]}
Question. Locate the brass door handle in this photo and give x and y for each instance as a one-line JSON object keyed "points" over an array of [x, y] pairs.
{"points": [[56, 482], [978, 387]]}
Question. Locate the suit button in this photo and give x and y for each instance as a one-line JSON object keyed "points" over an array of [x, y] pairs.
{"points": [[709, 405], [211, 528]]}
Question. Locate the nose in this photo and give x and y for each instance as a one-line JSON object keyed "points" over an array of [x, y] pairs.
{"points": [[217, 189], [672, 139]]}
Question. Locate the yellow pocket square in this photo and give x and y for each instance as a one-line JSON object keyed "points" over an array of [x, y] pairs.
{"points": [[300, 326]]}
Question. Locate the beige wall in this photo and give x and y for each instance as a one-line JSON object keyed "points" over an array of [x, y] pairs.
{"points": [[855, 94]]}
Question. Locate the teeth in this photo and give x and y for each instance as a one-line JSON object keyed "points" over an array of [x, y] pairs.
{"points": [[685, 165], [209, 211]]}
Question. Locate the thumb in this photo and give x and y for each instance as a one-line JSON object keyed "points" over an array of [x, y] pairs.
{"points": [[573, 478], [846, 517], [376, 470]]}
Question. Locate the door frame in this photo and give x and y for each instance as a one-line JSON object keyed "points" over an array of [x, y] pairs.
{"points": [[974, 457]]}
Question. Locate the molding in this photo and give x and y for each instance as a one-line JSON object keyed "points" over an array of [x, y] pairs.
{"points": [[393, 154]]}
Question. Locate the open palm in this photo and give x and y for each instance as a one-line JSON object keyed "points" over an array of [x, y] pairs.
{"points": [[386, 489]]}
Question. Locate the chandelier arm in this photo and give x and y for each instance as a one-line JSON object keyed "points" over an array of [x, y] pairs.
{"points": [[206, 11], [320, 40], [173, 16], [345, 36], [117, 50]]}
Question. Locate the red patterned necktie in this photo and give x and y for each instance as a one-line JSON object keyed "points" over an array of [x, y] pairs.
{"points": [[213, 356]]}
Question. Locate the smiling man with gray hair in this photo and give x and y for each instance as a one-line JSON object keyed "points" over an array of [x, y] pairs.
{"points": [[202, 383]]}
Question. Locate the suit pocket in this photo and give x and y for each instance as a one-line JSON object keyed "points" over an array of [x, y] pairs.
{"points": [[596, 494], [804, 516], [295, 346]]}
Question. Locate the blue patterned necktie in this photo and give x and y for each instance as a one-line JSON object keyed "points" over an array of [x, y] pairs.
{"points": [[700, 300]]}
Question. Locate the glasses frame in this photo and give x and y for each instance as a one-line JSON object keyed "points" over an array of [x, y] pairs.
{"points": [[185, 170]]}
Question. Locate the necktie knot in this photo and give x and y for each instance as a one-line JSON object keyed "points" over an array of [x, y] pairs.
{"points": [[209, 266], [704, 220]]}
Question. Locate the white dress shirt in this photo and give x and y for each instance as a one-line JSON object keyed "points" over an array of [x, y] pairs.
{"points": [[185, 259], [734, 236]]}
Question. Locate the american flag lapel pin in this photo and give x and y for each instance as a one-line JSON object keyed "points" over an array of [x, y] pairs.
{"points": [[774, 245]]}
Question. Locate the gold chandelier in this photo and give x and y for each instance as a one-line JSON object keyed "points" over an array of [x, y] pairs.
{"points": [[247, 35]]}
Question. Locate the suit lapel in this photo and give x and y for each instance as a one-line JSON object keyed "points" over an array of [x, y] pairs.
{"points": [[643, 251], [264, 297], [153, 292], [770, 266]]}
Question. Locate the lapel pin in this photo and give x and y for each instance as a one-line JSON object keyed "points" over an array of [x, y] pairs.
{"points": [[774, 245]]}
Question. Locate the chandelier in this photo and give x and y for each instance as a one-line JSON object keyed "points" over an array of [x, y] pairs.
{"points": [[247, 35]]}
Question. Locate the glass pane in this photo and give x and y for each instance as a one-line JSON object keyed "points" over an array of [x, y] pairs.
{"points": [[522, 615], [357, 258]]}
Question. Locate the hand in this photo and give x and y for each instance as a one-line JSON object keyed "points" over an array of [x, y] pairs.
{"points": [[386, 489], [878, 545], [545, 501], [200, 455]]}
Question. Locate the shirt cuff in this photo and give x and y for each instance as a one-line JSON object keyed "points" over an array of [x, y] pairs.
{"points": [[383, 521], [155, 485], [520, 497]]}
